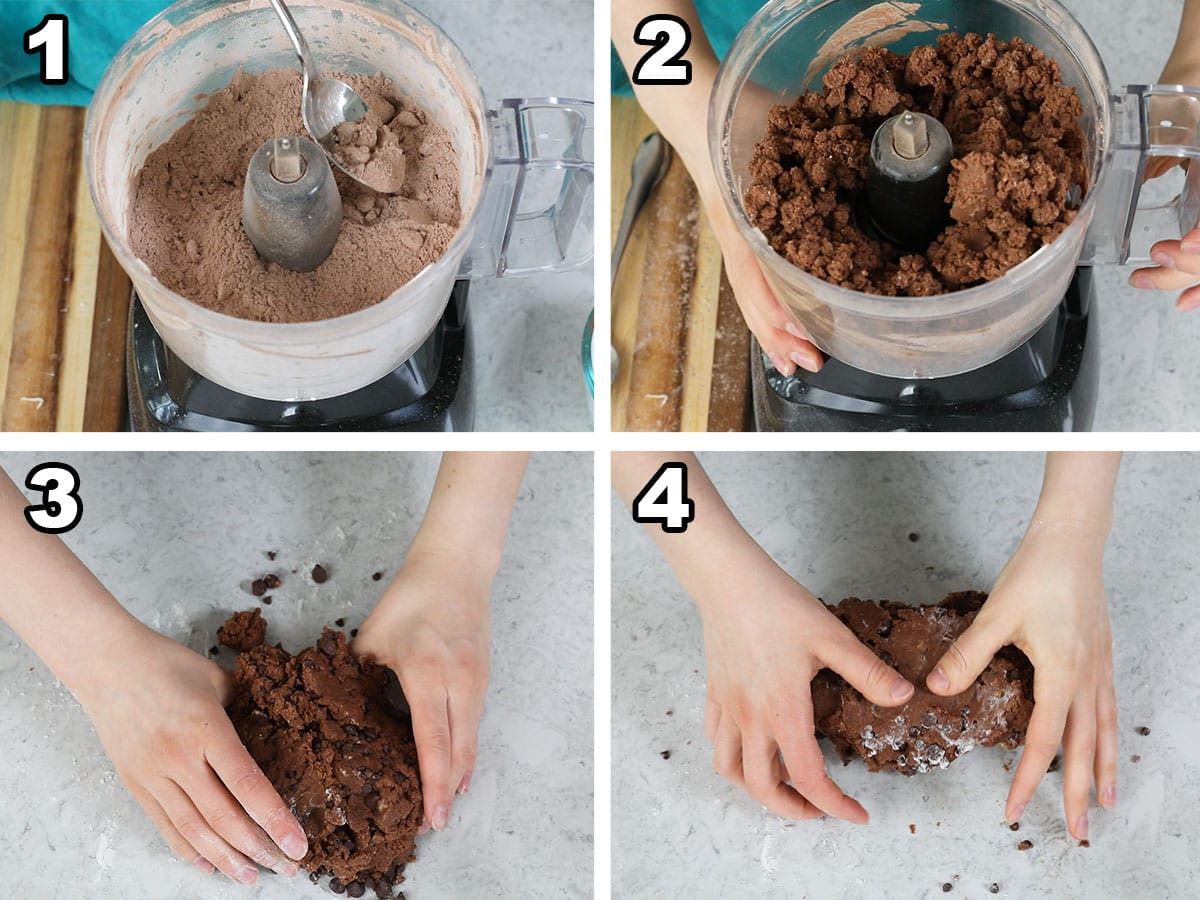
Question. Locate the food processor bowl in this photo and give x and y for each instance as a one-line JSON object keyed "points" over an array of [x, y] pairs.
{"points": [[165, 73], [787, 48]]}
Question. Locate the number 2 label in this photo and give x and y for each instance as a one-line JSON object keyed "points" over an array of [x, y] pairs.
{"points": [[50, 39], [61, 507], [670, 38], [664, 500]]}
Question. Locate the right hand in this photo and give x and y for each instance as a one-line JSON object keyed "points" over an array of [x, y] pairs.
{"points": [[762, 654], [161, 717]]}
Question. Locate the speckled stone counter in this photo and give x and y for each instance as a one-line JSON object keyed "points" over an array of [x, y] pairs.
{"points": [[178, 536], [840, 524]]}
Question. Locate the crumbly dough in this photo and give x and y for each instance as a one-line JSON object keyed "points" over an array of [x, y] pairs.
{"points": [[929, 732], [1017, 176]]}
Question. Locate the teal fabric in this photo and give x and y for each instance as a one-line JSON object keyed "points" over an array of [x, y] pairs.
{"points": [[96, 30], [721, 21]]}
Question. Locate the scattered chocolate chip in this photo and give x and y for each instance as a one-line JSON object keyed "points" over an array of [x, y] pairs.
{"points": [[1025, 845], [354, 888], [670, 712], [267, 600], [353, 632], [272, 581], [1142, 730], [340, 623], [319, 575], [947, 888], [376, 576], [1085, 843], [271, 555], [913, 536], [1054, 764], [1015, 826], [912, 828], [258, 587], [995, 888], [335, 885], [213, 651], [1135, 758], [666, 754]]}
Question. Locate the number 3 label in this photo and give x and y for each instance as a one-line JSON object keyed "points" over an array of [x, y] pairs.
{"points": [[670, 38], [61, 508], [664, 500], [50, 39]]}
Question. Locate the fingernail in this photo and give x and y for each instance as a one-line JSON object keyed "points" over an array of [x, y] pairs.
{"points": [[938, 680], [1163, 258], [1018, 811], [901, 689], [465, 784], [1189, 247], [791, 329], [294, 845], [804, 361], [285, 867], [424, 826], [1141, 280], [782, 367], [246, 875], [1081, 827], [204, 866], [1108, 798], [440, 815]]}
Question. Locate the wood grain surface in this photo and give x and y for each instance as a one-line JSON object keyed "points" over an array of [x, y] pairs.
{"points": [[683, 345], [63, 297]]}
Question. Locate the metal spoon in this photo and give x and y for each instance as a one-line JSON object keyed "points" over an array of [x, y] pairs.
{"points": [[650, 165], [327, 102]]}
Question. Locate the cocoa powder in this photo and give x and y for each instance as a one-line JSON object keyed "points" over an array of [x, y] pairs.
{"points": [[1018, 170], [186, 211]]}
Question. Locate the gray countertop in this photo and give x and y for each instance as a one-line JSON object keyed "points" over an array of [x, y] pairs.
{"points": [[177, 536], [840, 525]]}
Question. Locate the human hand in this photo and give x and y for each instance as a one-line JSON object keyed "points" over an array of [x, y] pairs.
{"points": [[161, 718], [1049, 601], [763, 653], [431, 629]]}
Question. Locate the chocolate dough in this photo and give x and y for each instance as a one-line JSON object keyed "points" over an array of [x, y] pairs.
{"points": [[318, 726], [185, 218], [928, 732], [1018, 155], [243, 631]]}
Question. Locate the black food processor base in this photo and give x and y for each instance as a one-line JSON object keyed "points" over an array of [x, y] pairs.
{"points": [[431, 391], [1047, 384]]}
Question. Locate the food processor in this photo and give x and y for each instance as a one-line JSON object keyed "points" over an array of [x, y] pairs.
{"points": [[1016, 353], [525, 189]]}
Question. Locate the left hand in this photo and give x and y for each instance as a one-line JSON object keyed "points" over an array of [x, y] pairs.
{"points": [[431, 628], [1049, 601]]}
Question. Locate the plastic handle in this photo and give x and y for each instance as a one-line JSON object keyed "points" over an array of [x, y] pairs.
{"points": [[537, 208], [1148, 121]]}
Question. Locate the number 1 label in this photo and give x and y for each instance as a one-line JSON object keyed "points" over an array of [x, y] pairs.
{"points": [[50, 40]]}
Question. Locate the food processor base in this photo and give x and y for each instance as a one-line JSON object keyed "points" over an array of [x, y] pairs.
{"points": [[1047, 384], [430, 391]]}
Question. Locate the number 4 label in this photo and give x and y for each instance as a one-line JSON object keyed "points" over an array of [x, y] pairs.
{"points": [[61, 508], [670, 38], [664, 500], [50, 39]]}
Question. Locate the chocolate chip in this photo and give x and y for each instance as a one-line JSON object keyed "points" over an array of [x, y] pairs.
{"points": [[995, 888], [340, 623], [355, 889], [258, 587], [376, 576], [267, 600], [665, 754], [670, 712], [1085, 843], [947, 888], [319, 575], [271, 555], [1142, 730], [1135, 758], [353, 632], [1054, 764], [1015, 826], [213, 651], [335, 885], [272, 581], [913, 536], [1025, 845]]}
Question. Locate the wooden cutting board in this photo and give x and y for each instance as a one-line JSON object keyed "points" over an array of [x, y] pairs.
{"points": [[683, 344], [64, 298]]}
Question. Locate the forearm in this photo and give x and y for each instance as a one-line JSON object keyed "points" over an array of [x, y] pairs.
{"points": [[470, 507], [1077, 493], [54, 603], [1187, 42], [679, 111], [713, 557]]}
